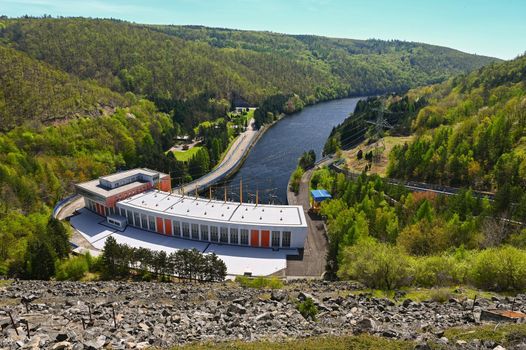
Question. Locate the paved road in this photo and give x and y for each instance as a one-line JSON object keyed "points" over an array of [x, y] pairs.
{"points": [[313, 263], [68, 210], [231, 160]]}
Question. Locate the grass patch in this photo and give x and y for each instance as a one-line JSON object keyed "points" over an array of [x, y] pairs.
{"points": [[185, 156], [5, 283], [507, 335], [379, 167], [259, 282], [422, 294], [315, 343]]}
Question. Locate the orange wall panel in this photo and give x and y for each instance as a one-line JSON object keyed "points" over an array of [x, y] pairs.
{"points": [[265, 238], [168, 227], [166, 184], [254, 238], [160, 228]]}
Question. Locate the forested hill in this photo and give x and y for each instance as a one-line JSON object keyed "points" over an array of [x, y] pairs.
{"points": [[366, 66], [468, 132], [169, 64], [33, 91]]}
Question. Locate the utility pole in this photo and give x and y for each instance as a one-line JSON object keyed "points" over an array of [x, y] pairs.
{"points": [[241, 190], [379, 125]]}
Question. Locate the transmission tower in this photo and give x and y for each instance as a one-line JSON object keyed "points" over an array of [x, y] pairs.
{"points": [[380, 124]]}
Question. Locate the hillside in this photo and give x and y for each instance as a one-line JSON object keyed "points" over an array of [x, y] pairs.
{"points": [[471, 132], [466, 128], [169, 64], [33, 91], [363, 66], [468, 132]]}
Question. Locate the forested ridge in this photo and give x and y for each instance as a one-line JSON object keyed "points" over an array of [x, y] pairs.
{"points": [[468, 132], [170, 64]]}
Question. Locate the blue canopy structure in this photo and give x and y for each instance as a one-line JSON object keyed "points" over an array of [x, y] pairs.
{"points": [[320, 195]]}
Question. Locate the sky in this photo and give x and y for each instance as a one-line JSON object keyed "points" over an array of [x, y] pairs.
{"points": [[486, 27]]}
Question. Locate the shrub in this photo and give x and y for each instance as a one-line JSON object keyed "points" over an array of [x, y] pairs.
{"points": [[440, 295], [424, 237], [376, 265], [73, 269], [500, 269], [438, 270], [296, 179], [307, 309]]}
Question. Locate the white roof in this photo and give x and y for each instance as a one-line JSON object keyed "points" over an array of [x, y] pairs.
{"points": [[127, 173], [214, 210], [238, 259]]}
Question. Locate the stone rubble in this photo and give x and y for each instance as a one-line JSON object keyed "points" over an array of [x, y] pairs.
{"points": [[140, 315]]}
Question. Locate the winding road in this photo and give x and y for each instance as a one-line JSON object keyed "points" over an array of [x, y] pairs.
{"points": [[231, 161]]}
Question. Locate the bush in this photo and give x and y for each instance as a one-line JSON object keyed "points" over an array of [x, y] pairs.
{"points": [[307, 309], [295, 179], [376, 265], [73, 269], [260, 282], [424, 237], [439, 270], [440, 295], [499, 269]]}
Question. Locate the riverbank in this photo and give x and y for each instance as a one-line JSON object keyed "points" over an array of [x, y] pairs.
{"points": [[275, 156]]}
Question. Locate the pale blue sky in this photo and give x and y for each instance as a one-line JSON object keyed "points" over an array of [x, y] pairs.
{"points": [[487, 27]]}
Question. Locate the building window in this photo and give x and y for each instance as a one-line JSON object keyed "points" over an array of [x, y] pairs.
{"points": [[285, 240], [224, 235], [151, 223], [244, 236], [186, 230], [136, 219], [177, 228], [195, 231], [204, 233], [144, 221], [129, 217], [123, 212], [275, 238], [213, 233], [234, 236]]}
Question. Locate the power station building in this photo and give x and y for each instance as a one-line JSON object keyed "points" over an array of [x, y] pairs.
{"points": [[150, 205]]}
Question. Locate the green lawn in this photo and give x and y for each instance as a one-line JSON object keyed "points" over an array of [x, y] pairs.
{"points": [[436, 294], [315, 343], [184, 156], [507, 335]]}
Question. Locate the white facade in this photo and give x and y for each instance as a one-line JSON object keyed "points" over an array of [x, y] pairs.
{"points": [[276, 226]]}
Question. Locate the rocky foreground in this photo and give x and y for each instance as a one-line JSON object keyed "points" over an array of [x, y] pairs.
{"points": [[71, 315]]}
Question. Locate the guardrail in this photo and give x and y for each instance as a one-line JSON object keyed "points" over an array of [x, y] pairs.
{"points": [[58, 207]]}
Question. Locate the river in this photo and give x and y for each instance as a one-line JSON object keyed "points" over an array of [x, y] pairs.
{"points": [[275, 156]]}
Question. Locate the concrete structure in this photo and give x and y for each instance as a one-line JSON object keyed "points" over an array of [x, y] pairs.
{"points": [[239, 260], [131, 198], [102, 194]]}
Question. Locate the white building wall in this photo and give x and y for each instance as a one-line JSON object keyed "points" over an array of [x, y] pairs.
{"points": [[297, 239]]}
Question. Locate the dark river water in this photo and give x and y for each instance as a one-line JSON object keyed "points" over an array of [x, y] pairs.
{"points": [[275, 156]]}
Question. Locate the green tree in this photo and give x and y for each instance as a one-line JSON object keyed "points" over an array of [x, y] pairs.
{"points": [[58, 237], [40, 259]]}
